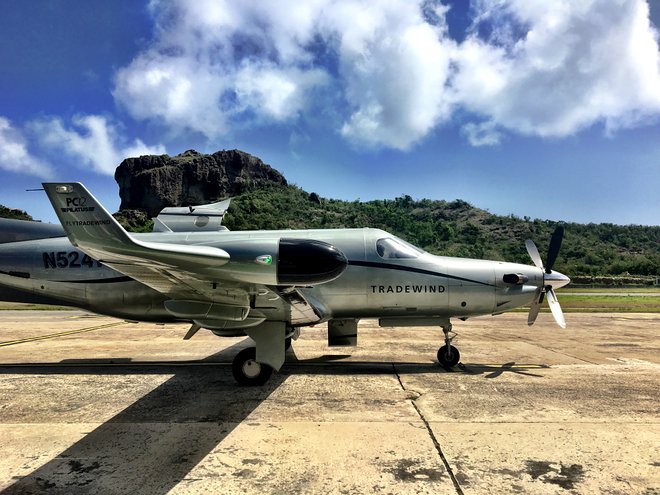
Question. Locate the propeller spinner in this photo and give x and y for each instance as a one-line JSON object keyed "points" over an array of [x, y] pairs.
{"points": [[551, 280]]}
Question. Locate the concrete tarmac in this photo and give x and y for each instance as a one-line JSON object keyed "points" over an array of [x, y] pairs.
{"points": [[97, 405]]}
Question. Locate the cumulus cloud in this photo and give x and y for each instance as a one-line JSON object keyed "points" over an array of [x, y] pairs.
{"points": [[394, 66], [213, 64], [214, 61], [391, 73], [92, 141], [14, 154], [571, 65]]}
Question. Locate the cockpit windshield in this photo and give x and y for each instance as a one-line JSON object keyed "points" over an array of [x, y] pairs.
{"points": [[395, 248]]}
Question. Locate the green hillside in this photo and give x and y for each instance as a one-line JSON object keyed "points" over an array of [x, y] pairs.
{"points": [[13, 213]]}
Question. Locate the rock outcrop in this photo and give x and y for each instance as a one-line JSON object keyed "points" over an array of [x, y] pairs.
{"points": [[153, 182]]}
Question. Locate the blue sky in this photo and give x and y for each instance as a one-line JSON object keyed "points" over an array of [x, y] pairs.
{"points": [[542, 109]]}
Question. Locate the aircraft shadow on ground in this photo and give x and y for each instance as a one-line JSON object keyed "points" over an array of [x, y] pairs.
{"points": [[338, 364], [333, 365], [495, 371], [152, 445]]}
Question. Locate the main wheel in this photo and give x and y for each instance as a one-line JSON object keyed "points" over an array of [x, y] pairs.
{"points": [[448, 357], [247, 370]]}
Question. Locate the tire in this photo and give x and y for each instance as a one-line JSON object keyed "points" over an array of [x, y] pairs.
{"points": [[247, 371], [287, 344], [451, 360]]}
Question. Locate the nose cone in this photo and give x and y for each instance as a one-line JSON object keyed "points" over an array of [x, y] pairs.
{"points": [[556, 279]]}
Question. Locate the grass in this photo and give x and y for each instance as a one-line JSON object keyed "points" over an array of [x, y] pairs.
{"points": [[613, 290], [616, 300], [609, 304]]}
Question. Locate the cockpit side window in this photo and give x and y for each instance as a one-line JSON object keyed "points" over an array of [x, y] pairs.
{"points": [[393, 248]]}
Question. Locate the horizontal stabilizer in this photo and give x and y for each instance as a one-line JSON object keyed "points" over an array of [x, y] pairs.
{"points": [[26, 230], [211, 209], [202, 218]]}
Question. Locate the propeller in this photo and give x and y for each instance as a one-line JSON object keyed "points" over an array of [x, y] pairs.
{"points": [[551, 280]]}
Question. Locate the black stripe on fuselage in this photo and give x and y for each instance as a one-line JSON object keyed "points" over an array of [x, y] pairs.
{"points": [[388, 266], [368, 264]]}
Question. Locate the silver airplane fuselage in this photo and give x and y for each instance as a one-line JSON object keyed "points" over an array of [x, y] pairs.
{"points": [[385, 278]]}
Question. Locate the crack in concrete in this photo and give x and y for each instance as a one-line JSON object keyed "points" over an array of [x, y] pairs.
{"points": [[434, 440], [563, 353], [534, 343]]}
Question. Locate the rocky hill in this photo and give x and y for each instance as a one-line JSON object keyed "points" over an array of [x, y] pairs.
{"points": [[151, 183]]}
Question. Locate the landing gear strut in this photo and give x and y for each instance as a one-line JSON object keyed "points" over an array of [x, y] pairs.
{"points": [[247, 370], [448, 355]]}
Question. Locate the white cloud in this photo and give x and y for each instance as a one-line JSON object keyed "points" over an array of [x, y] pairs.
{"points": [[278, 94], [482, 134], [212, 64], [175, 90], [573, 64], [389, 71], [92, 141], [14, 154], [394, 67]]}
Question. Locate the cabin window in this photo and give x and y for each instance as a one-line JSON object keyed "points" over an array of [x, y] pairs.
{"points": [[394, 248]]}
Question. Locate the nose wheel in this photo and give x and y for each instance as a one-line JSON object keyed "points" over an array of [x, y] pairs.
{"points": [[448, 355]]}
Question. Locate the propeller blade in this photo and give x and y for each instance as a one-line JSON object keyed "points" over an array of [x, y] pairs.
{"points": [[555, 308], [534, 253], [534, 308], [553, 249]]}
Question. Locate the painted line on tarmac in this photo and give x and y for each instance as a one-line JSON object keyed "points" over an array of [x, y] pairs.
{"points": [[117, 364], [61, 334]]}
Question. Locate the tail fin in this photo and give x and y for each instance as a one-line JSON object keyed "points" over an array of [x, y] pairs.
{"points": [[86, 222], [90, 227]]}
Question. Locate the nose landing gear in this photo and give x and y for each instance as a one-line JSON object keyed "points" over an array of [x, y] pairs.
{"points": [[448, 355]]}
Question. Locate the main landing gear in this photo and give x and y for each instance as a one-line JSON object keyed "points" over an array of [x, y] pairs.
{"points": [[247, 370], [448, 355]]}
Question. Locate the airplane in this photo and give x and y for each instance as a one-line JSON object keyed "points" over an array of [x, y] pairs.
{"points": [[266, 284]]}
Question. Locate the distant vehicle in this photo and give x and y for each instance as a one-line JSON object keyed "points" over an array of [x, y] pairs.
{"points": [[264, 284]]}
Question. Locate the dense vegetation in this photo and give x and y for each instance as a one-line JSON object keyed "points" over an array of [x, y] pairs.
{"points": [[457, 229], [13, 213]]}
